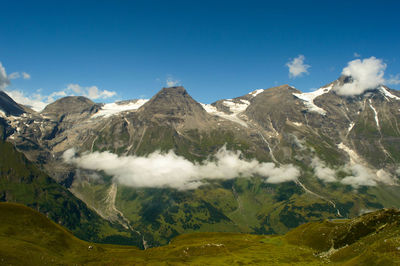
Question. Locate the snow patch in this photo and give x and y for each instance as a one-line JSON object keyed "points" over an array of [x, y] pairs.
{"points": [[376, 115], [111, 109], [236, 107], [231, 117], [2, 114], [351, 125], [388, 94], [256, 92], [308, 98], [297, 124]]}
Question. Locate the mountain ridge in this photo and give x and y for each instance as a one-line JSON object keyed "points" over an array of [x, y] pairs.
{"points": [[339, 145]]}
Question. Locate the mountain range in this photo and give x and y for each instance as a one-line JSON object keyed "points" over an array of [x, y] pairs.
{"points": [[264, 162]]}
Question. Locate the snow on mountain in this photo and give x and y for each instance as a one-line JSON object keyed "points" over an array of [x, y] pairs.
{"points": [[308, 98], [111, 109], [388, 94], [256, 92], [235, 108]]}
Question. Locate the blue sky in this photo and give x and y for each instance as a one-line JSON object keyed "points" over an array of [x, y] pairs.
{"points": [[216, 49]]}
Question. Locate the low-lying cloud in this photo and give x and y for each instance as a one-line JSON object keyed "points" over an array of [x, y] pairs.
{"points": [[297, 67], [323, 172], [170, 170], [366, 74], [361, 176], [358, 175]]}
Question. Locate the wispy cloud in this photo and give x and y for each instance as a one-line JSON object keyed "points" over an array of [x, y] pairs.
{"points": [[297, 67], [26, 75], [14, 75], [17, 75], [171, 82], [170, 170], [356, 54], [394, 80]]}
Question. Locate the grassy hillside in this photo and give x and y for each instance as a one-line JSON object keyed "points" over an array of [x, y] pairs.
{"points": [[29, 238]]}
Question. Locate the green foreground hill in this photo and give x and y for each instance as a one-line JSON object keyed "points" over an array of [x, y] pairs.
{"points": [[29, 238]]}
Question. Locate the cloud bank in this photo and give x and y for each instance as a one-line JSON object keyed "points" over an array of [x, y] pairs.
{"points": [[170, 170], [297, 67], [366, 74]]}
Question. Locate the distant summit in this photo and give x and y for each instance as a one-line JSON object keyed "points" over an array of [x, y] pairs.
{"points": [[172, 101], [70, 105]]}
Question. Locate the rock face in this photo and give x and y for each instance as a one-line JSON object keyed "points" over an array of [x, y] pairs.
{"points": [[70, 105], [353, 141], [9, 106], [173, 101]]}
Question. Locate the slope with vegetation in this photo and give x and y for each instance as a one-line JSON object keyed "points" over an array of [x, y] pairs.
{"points": [[28, 237]]}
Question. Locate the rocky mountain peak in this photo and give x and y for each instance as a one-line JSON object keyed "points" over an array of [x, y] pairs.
{"points": [[9, 106], [70, 105], [172, 101]]}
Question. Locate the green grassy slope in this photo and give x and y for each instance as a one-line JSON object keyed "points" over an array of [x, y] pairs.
{"points": [[29, 238]]}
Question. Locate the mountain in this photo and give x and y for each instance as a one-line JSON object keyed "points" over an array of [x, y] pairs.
{"points": [[342, 153], [28, 237], [9, 106]]}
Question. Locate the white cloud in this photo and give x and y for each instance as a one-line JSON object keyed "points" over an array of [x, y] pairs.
{"points": [[323, 172], [4, 80], [394, 80], [172, 82], [14, 75], [356, 54], [38, 101], [17, 75], [91, 92], [366, 74], [363, 176], [170, 170], [26, 75], [297, 67]]}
